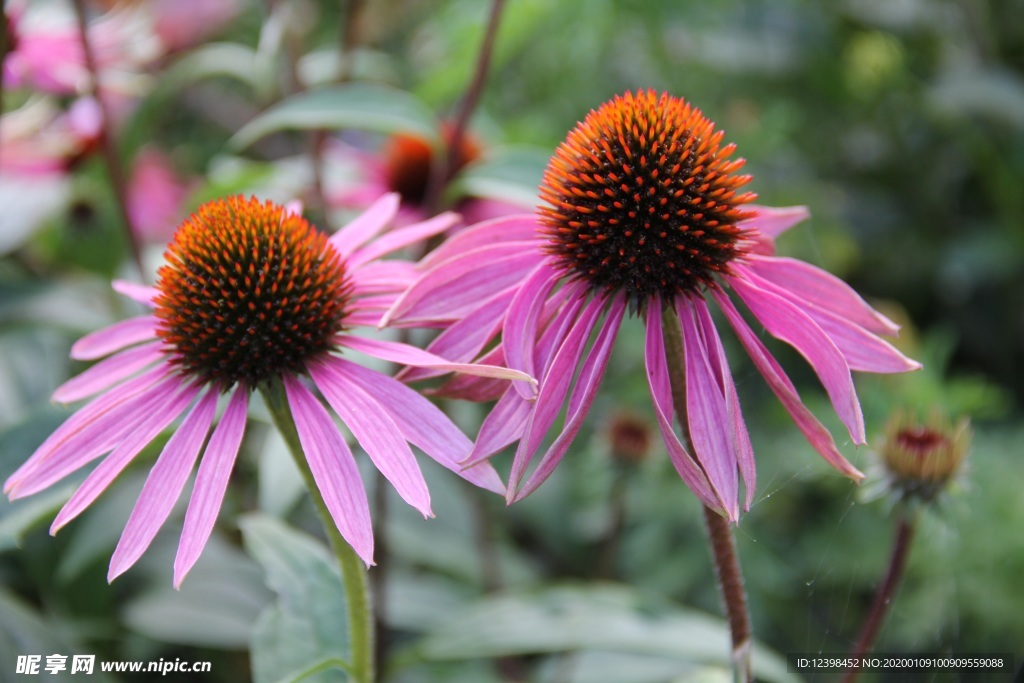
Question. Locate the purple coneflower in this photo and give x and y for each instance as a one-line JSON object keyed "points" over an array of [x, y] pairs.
{"points": [[645, 210], [252, 294]]}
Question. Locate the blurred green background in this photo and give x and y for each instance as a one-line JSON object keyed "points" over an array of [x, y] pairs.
{"points": [[900, 124]]}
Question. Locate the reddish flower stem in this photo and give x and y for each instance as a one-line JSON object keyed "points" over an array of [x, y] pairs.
{"points": [[723, 546], [884, 593], [443, 172], [113, 163]]}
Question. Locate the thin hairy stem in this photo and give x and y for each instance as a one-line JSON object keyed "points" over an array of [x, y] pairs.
{"points": [[884, 593], [723, 546]]}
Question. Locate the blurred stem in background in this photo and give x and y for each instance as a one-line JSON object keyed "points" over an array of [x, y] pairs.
{"points": [[723, 547], [353, 573], [443, 171], [113, 163], [4, 47]]}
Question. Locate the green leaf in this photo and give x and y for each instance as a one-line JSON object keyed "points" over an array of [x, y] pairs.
{"points": [[308, 625], [601, 618], [509, 174], [216, 606], [217, 59], [359, 105]]}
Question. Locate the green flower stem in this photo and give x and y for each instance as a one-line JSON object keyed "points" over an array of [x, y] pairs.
{"points": [[353, 573], [723, 546], [883, 594]]}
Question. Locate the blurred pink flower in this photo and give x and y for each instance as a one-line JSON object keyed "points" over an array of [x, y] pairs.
{"points": [[644, 210], [156, 196], [183, 23], [47, 56], [253, 294], [404, 165], [38, 146]]}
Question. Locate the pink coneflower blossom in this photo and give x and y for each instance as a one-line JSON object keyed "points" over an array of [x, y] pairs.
{"points": [[404, 165], [644, 211], [252, 294]]}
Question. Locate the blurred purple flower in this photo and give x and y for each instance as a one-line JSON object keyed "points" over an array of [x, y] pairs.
{"points": [[253, 294], [644, 209], [156, 196]]}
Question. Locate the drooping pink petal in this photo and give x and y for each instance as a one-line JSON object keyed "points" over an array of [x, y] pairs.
{"points": [[519, 332], [458, 286], [420, 422], [211, 483], [518, 228], [504, 424], [114, 338], [815, 433], [821, 289], [552, 392], [140, 293], [397, 352], [108, 372], [91, 431], [105, 473], [582, 398], [377, 433], [333, 468], [720, 368], [785, 321], [707, 415], [366, 225], [660, 385], [163, 485], [464, 339], [403, 237]]}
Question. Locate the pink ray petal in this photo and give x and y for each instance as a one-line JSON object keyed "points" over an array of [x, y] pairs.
{"points": [[720, 367], [377, 433], [660, 385], [403, 237], [105, 473], [163, 485], [383, 276], [519, 332], [464, 339], [140, 293], [707, 416], [333, 468], [404, 354], [92, 431], [366, 225], [822, 289], [420, 422], [517, 228], [505, 423], [815, 433], [211, 483], [582, 398], [108, 372], [773, 221], [455, 289], [785, 321], [553, 390], [114, 338]]}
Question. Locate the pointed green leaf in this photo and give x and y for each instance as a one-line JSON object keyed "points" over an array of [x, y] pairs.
{"points": [[308, 625], [359, 105]]}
